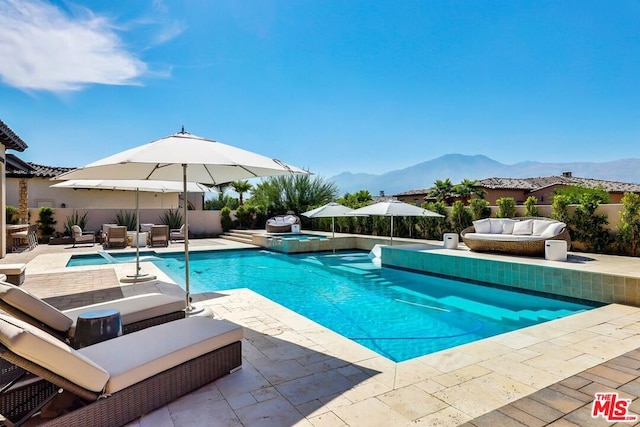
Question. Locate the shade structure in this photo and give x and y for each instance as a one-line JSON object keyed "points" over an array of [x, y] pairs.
{"points": [[395, 208], [330, 210], [184, 157], [137, 186]]}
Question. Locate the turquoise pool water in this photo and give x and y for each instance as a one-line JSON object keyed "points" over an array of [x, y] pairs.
{"points": [[301, 236], [398, 314]]}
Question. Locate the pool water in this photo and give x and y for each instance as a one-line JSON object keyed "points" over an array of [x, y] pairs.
{"points": [[300, 236], [398, 314]]}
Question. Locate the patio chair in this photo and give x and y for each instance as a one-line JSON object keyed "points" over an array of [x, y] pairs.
{"points": [[137, 312], [159, 235], [80, 236], [117, 237], [104, 232], [107, 388], [26, 238], [177, 234]]}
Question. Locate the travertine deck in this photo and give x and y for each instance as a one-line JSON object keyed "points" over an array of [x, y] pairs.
{"points": [[296, 372]]}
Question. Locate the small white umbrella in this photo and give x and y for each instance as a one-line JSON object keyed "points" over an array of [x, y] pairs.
{"points": [[137, 186], [170, 159], [394, 208], [330, 210]]}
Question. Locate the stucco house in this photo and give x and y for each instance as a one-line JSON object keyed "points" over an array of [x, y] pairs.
{"points": [[542, 188], [8, 141]]}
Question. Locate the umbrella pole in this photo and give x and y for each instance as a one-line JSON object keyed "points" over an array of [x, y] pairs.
{"points": [[333, 233], [186, 238], [137, 276], [391, 230]]}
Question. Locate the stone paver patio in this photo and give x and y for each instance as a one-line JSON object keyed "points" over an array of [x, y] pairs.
{"points": [[296, 372]]}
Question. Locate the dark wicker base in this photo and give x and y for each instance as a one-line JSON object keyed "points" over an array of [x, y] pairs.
{"points": [[133, 402], [154, 321]]}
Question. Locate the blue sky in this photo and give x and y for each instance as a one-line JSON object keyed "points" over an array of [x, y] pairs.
{"points": [[331, 86]]}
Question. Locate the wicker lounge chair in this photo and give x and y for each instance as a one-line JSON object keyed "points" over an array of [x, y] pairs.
{"points": [[281, 223], [159, 235], [109, 389], [138, 312], [526, 242], [117, 237]]}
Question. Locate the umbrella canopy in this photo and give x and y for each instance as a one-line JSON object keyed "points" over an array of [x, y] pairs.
{"points": [[330, 210], [134, 185], [395, 208], [173, 158]]}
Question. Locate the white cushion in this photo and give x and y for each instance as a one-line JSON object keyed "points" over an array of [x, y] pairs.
{"points": [[523, 227], [43, 349], [553, 229], [134, 357], [133, 309], [34, 307], [13, 269], [482, 226], [496, 225], [502, 237], [507, 225], [539, 225]]}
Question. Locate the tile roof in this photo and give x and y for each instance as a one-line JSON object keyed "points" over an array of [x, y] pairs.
{"points": [[533, 184], [40, 171], [9, 139]]}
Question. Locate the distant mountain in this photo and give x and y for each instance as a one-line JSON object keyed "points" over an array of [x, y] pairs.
{"points": [[458, 167]]}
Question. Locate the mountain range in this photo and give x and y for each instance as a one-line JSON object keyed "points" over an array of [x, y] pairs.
{"points": [[476, 167]]}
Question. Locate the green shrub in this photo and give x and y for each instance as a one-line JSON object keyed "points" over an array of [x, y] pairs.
{"points": [[479, 209], [530, 208], [225, 218], [506, 207], [46, 221], [560, 208], [173, 218], [434, 227], [460, 216], [75, 219], [12, 214], [128, 219], [588, 227]]}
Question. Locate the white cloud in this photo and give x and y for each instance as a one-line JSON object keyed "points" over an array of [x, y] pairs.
{"points": [[43, 48]]}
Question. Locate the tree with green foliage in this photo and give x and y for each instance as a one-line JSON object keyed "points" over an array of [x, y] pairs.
{"points": [[506, 207], [589, 227], [241, 187], [479, 209], [442, 191], [628, 236], [434, 227], [297, 193], [460, 216], [530, 208], [468, 189], [225, 218], [560, 208], [575, 193]]}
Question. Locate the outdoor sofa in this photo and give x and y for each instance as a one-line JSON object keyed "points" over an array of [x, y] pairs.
{"points": [[116, 381], [281, 223], [517, 236]]}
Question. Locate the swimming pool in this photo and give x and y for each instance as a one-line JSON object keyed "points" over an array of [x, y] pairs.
{"points": [[398, 314]]}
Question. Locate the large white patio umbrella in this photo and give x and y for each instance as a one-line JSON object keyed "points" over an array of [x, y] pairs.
{"points": [[394, 208], [184, 157], [330, 210], [137, 186]]}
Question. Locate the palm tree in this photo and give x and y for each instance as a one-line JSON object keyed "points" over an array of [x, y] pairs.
{"points": [[442, 191], [468, 188], [241, 187]]}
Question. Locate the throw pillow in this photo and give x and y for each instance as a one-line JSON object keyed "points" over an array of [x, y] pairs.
{"points": [[482, 226], [524, 227], [496, 225], [507, 226]]}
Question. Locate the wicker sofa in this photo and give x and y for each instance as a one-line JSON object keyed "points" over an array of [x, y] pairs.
{"points": [[517, 236], [281, 223]]}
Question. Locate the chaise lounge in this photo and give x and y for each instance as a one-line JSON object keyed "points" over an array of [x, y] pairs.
{"points": [[516, 236], [107, 388], [137, 312]]}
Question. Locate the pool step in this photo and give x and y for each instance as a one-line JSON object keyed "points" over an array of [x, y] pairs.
{"points": [[242, 236], [487, 310]]}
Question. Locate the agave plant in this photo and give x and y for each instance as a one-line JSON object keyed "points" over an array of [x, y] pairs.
{"points": [[127, 218], [173, 218], [75, 219]]}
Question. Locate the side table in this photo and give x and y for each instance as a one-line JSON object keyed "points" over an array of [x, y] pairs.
{"points": [[96, 326]]}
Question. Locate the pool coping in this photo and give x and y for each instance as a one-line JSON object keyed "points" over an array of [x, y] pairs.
{"points": [[458, 384]]}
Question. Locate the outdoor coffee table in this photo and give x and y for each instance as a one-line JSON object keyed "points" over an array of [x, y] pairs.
{"points": [[96, 326]]}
